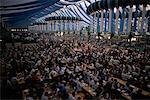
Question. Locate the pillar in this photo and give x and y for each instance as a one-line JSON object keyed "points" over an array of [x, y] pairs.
{"points": [[146, 25], [124, 24], [40, 28], [95, 23], [79, 27], [31, 28], [148, 30], [101, 25], [143, 19], [110, 21], [66, 24], [51, 26], [70, 23], [105, 20], [113, 21], [98, 23], [91, 24], [122, 20], [139, 23], [129, 20], [63, 26], [75, 26], [127, 24], [35, 28], [59, 24], [135, 18], [44, 27], [47, 27], [56, 25], [117, 21]]}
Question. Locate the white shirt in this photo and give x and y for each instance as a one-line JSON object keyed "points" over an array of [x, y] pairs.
{"points": [[62, 70], [77, 69]]}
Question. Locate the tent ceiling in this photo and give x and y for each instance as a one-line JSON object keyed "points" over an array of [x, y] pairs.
{"points": [[20, 13], [77, 9]]}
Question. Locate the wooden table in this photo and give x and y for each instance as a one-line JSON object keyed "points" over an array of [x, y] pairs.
{"points": [[87, 88], [81, 95], [146, 93], [126, 96]]}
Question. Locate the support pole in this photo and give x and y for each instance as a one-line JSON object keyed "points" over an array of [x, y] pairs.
{"points": [[122, 20], [129, 19], [95, 23], [117, 21], [124, 26], [146, 25], [76, 26], [135, 18], [102, 19], [79, 27], [51, 26], [72, 26], [59, 25], [70, 23], [143, 19], [66, 25], [148, 30], [54, 26], [98, 23], [139, 23], [105, 20], [113, 21], [110, 20]]}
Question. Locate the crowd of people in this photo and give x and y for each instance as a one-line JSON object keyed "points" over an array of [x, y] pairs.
{"points": [[61, 69], [24, 37]]}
